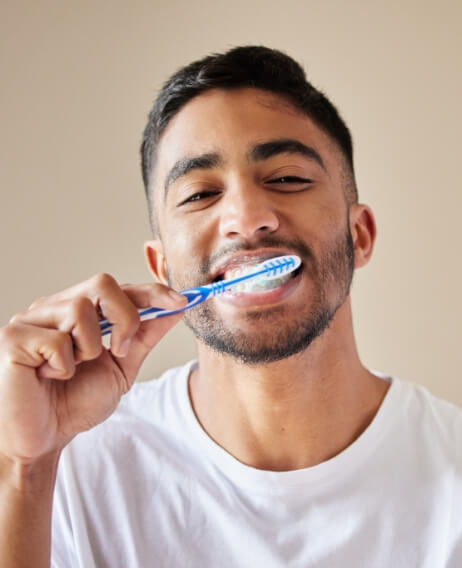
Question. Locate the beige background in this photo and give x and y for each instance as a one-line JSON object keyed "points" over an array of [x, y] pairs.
{"points": [[78, 79]]}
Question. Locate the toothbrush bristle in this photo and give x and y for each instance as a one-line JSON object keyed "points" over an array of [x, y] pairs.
{"points": [[279, 266]]}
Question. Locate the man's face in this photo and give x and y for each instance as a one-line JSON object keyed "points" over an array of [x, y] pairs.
{"points": [[241, 176]]}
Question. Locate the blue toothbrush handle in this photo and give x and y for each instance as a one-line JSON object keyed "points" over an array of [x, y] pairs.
{"points": [[195, 296]]}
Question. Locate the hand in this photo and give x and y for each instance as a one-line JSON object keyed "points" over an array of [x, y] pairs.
{"points": [[56, 377]]}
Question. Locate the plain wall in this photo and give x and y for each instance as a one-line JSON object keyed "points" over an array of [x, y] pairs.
{"points": [[77, 82]]}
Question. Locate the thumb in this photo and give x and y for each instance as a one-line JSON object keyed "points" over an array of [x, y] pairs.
{"points": [[141, 344]]}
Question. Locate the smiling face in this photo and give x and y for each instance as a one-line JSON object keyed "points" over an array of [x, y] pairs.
{"points": [[241, 176]]}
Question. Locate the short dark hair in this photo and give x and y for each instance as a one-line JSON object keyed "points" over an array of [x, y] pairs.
{"points": [[247, 66]]}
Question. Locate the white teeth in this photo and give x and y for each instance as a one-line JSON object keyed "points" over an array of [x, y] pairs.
{"points": [[236, 272], [259, 284]]}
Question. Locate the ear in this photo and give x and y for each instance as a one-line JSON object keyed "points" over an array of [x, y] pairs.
{"points": [[154, 254], [363, 231]]}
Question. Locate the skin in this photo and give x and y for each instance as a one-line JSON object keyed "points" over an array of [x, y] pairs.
{"points": [[304, 409]]}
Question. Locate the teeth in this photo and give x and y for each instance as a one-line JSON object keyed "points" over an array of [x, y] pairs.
{"points": [[259, 284], [239, 271], [236, 272]]}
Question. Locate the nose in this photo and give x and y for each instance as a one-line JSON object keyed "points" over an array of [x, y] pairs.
{"points": [[247, 212]]}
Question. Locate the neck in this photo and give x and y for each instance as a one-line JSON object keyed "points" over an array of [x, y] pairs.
{"points": [[291, 414]]}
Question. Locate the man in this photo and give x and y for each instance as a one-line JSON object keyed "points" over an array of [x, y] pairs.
{"points": [[277, 447]]}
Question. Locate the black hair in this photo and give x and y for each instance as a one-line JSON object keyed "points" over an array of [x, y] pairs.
{"points": [[247, 66]]}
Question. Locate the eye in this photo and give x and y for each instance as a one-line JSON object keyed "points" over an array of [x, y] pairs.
{"points": [[290, 179], [289, 184], [199, 196]]}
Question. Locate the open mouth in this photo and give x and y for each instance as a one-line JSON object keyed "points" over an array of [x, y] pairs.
{"points": [[256, 285]]}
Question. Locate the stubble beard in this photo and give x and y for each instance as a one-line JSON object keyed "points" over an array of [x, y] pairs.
{"points": [[272, 334]]}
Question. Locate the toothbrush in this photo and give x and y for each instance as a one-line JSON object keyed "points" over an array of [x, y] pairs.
{"points": [[267, 270]]}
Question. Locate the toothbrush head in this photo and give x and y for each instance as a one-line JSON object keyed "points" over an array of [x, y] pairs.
{"points": [[276, 268], [271, 269], [279, 266]]}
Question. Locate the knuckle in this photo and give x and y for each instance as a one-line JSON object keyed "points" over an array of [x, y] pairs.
{"points": [[10, 333], [18, 317], [6, 333], [10, 341], [103, 281], [80, 306], [36, 303]]}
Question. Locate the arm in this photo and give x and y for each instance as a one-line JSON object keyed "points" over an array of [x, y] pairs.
{"points": [[26, 495]]}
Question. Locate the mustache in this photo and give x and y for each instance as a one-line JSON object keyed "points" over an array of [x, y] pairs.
{"points": [[293, 245]]}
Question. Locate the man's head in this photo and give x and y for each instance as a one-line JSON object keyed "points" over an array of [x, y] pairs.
{"points": [[250, 66], [242, 174]]}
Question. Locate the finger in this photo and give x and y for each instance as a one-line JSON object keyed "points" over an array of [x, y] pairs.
{"points": [[141, 294], [145, 339], [116, 305], [150, 332], [77, 317], [49, 351], [108, 298], [154, 294], [87, 288]]}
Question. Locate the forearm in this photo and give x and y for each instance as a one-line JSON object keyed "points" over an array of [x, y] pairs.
{"points": [[26, 497]]}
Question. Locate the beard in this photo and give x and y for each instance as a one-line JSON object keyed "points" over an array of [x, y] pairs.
{"points": [[272, 333]]}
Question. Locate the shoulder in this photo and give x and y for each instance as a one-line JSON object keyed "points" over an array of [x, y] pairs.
{"points": [[437, 423], [442, 414]]}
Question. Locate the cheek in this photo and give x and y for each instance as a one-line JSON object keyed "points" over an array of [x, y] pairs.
{"points": [[185, 251], [315, 222]]}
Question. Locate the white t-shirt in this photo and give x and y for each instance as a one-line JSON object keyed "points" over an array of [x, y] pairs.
{"points": [[148, 487]]}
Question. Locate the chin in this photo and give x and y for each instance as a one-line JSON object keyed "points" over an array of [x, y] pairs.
{"points": [[260, 337]]}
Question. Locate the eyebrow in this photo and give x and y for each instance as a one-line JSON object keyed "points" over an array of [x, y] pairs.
{"points": [[186, 165], [258, 153], [284, 146]]}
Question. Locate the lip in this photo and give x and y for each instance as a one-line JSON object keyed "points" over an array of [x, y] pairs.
{"points": [[246, 258]]}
